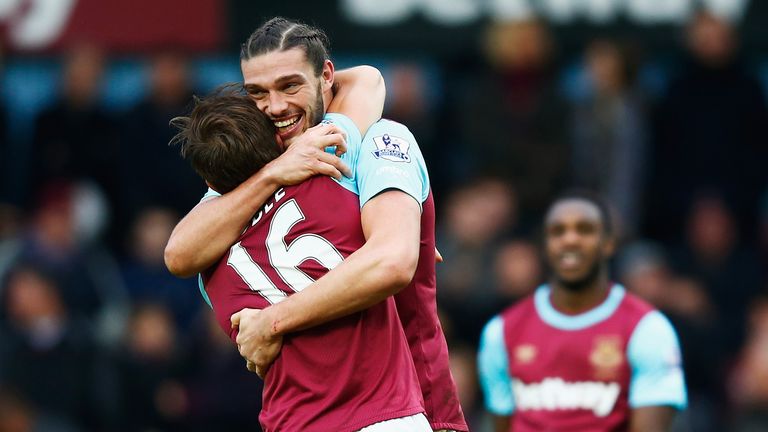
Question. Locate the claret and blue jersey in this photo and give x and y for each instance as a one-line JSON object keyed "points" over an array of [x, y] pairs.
{"points": [[584, 372]]}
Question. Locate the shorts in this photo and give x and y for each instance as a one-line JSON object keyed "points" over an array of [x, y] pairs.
{"points": [[414, 423]]}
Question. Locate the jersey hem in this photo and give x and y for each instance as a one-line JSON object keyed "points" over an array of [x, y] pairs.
{"points": [[680, 406], [383, 417], [450, 426]]}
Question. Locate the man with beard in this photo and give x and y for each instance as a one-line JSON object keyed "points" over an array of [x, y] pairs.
{"points": [[581, 353]]}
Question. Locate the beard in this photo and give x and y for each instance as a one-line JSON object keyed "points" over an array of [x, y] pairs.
{"points": [[579, 285], [316, 113]]}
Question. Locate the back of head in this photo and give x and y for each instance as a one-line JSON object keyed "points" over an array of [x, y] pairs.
{"points": [[280, 34], [226, 138]]}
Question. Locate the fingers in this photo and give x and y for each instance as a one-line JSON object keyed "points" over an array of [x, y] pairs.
{"points": [[325, 135], [325, 129], [235, 319], [331, 140], [260, 371], [341, 146], [336, 166]]}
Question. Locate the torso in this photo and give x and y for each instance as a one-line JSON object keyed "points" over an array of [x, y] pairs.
{"points": [[571, 376]]}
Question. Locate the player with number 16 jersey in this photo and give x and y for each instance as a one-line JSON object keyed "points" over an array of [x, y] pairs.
{"points": [[340, 376]]}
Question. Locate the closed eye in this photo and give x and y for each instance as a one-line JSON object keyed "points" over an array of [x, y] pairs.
{"points": [[255, 92]]}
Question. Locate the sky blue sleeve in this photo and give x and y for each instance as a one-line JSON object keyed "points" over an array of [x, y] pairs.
{"points": [[654, 355], [390, 158], [210, 194], [353, 147], [493, 369], [203, 292]]}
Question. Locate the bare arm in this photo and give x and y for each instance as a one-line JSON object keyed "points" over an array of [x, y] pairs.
{"points": [[382, 267], [360, 94], [651, 419], [212, 226], [502, 423]]}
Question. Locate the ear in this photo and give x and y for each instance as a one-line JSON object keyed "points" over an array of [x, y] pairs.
{"points": [[327, 75]]}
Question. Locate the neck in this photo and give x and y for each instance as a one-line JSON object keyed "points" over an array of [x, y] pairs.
{"points": [[328, 97], [572, 301]]}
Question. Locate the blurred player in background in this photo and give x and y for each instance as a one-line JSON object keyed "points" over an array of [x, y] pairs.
{"points": [[581, 353], [287, 72], [317, 383]]}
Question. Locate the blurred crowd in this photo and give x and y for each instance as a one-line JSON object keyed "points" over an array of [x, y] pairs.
{"points": [[95, 334]]}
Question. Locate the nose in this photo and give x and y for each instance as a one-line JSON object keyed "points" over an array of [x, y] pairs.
{"points": [[277, 105], [570, 237]]}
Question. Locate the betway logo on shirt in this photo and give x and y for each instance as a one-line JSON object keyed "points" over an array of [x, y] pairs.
{"points": [[555, 394]]}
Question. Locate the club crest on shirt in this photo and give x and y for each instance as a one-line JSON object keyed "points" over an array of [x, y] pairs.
{"points": [[606, 356], [391, 148], [525, 353]]}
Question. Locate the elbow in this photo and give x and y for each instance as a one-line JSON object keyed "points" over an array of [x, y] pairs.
{"points": [[176, 262], [372, 79], [371, 75], [398, 270]]}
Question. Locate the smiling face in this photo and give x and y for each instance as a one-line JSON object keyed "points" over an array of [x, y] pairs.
{"points": [[577, 244], [285, 87]]}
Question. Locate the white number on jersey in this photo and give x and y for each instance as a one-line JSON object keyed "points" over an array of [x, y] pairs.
{"points": [[284, 258]]}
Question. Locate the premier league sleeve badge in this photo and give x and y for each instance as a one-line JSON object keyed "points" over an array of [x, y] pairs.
{"points": [[391, 148]]}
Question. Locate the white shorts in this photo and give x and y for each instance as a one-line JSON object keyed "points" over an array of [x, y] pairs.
{"points": [[414, 423]]}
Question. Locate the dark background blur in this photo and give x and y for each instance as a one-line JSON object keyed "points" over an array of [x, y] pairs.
{"points": [[660, 105]]}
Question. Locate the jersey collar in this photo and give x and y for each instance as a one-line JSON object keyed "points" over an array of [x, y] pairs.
{"points": [[559, 320]]}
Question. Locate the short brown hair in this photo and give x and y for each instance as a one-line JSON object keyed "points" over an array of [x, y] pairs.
{"points": [[226, 138], [281, 34]]}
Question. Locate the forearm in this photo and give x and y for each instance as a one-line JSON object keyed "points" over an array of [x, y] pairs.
{"points": [[383, 266], [209, 229], [502, 423], [365, 278], [651, 419]]}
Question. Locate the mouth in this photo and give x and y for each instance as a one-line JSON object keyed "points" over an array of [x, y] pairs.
{"points": [[288, 127], [570, 260]]}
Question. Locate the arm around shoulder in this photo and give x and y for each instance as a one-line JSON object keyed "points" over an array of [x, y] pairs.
{"points": [[360, 95], [213, 226]]}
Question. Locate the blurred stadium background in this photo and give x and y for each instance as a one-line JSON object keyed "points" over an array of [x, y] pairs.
{"points": [[658, 104]]}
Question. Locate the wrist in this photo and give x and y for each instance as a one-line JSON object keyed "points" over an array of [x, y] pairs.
{"points": [[256, 190], [273, 320], [266, 178]]}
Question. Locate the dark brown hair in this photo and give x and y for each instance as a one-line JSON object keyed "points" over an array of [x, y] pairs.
{"points": [[226, 138], [280, 34]]}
